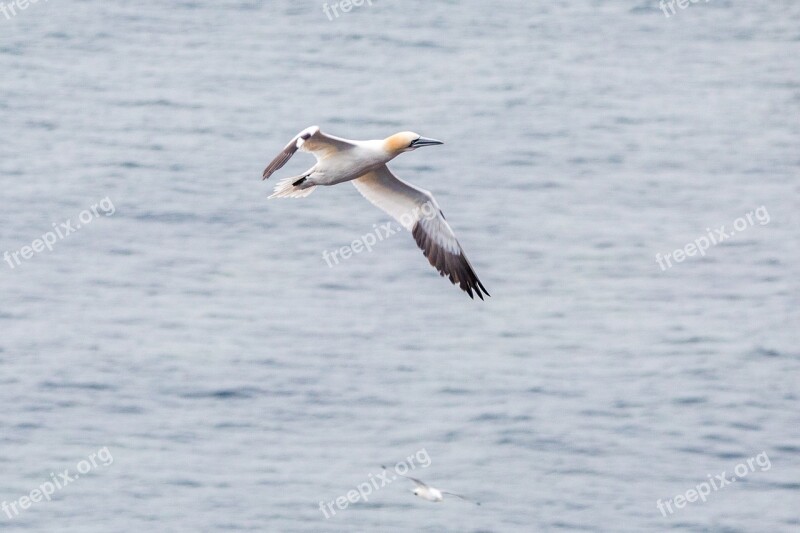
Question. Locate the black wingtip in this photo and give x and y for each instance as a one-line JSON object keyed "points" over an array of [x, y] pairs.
{"points": [[455, 266]]}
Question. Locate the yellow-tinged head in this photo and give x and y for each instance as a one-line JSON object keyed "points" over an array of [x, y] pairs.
{"points": [[405, 141]]}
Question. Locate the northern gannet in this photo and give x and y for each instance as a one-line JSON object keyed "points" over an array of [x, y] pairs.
{"points": [[364, 163], [429, 493]]}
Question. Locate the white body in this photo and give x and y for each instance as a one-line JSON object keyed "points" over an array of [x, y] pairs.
{"points": [[350, 163], [364, 163], [428, 493], [431, 494]]}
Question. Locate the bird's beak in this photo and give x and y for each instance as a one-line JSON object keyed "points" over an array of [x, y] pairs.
{"points": [[424, 141]]}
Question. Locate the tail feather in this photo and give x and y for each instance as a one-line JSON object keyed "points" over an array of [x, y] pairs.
{"points": [[285, 188]]}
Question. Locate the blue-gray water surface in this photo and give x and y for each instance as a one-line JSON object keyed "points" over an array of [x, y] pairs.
{"points": [[191, 330]]}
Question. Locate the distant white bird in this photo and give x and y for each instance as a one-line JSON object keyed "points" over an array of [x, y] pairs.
{"points": [[364, 163], [429, 493]]}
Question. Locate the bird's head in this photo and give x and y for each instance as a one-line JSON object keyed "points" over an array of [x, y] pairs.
{"points": [[406, 141], [415, 491]]}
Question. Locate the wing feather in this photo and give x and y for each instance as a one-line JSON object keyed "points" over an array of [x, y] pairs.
{"points": [[459, 496], [415, 480], [417, 210], [311, 140]]}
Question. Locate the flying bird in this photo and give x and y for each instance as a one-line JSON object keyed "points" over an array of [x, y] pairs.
{"points": [[426, 492], [364, 164]]}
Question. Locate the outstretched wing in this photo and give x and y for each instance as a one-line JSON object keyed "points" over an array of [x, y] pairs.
{"points": [[415, 480], [459, 496], [418, 212], [309, 140]]}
